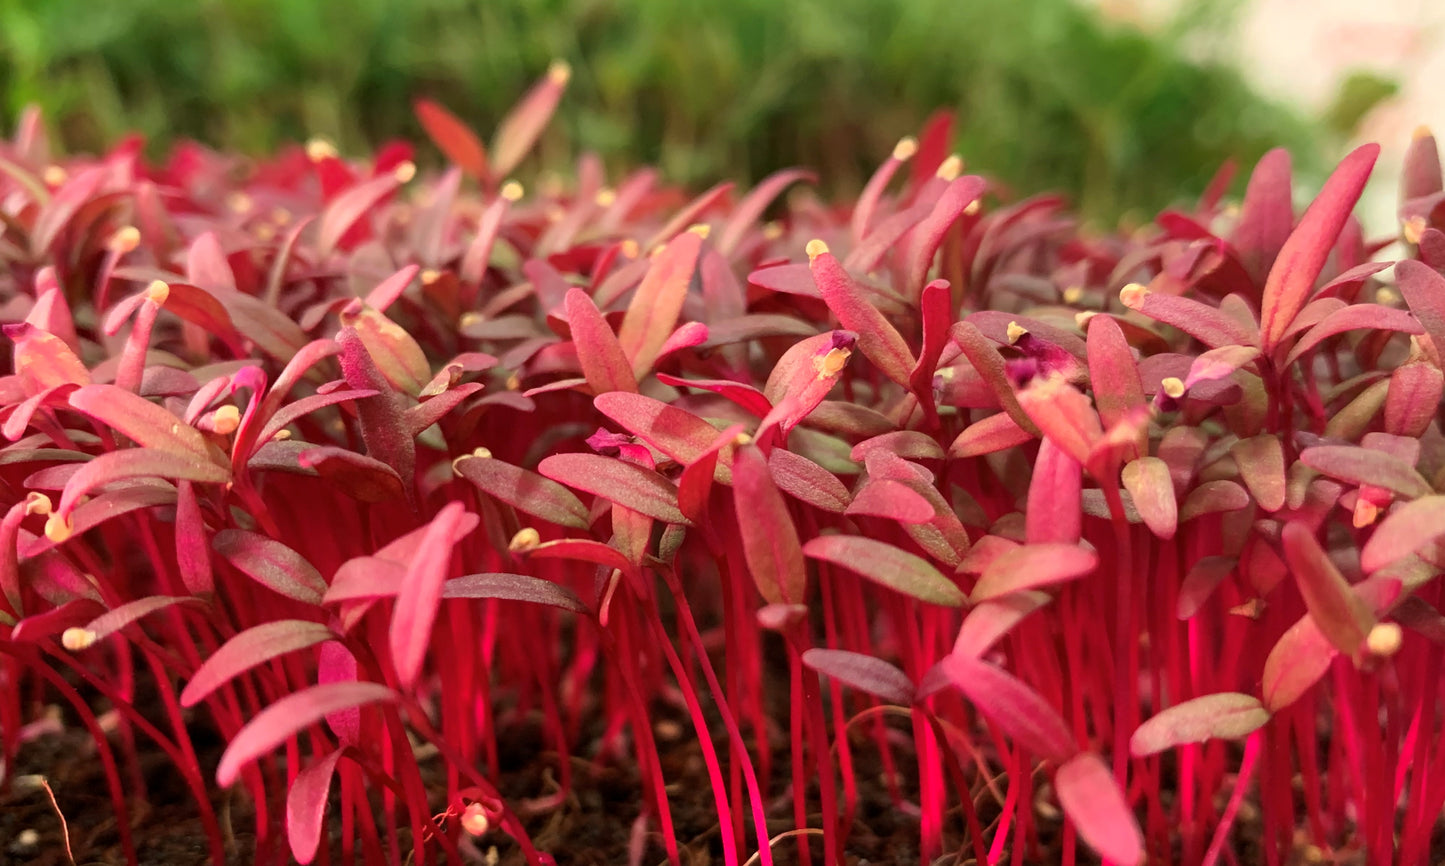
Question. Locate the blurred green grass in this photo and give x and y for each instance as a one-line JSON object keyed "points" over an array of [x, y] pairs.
{"points": [[1049, 96]]}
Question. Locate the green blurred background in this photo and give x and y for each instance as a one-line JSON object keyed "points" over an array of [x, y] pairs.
{"points": [[1050, 96]]}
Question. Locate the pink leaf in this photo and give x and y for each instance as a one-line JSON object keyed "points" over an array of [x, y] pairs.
{"points": [[306, 806], [193, 552], [908, 444], [879, 341], [1406, 530], [1053, 512], [604, 362], [581, 550], [748, 211], [891, 500], [395, 353], [1228, 716], [206, 265], [43, 360], [452, 137], [1094, 803], [807, 482], [1113, 373], [1366, 466], [655, 306], [1424, 290], [864, 673], [1293, 276], [69, 614], [1064, 415], [416, 604], [993, 618], [288, 414], [1416, 389], [132, 463], [141, 421], [1209, 325], [524, 490], [675, 432], [246, 650], [288, 716], [689, 214], [1032, 566], [1261, 464], [114, 620], [1374, 317], [628, 485], [995, 433], [347, 209], [1266, 214], [741, 393], [985, 358], [270, 329], [271, 564], [888, 566], [522, 126], [743, 329], [1298, 660], [514, 587], [770, 540], [366, 577], [1148, 481], [792, 279], [804, 375], [1203, 577], [1019, 711], [433, 409], [1342, 616], [364, 478], [77, 191], [928, 235]]}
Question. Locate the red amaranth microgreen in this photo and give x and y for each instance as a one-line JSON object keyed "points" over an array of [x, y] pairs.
{"points": [[367, 468]]}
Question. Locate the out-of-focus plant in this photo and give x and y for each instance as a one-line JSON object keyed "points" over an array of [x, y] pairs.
{"points": [[1050, 96]]}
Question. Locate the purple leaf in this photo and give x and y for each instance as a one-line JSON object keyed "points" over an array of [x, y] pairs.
{"points": [[524, 490], [628, 485], [1228, 716], [1019, 711], [1298, 266], [1374, 317], [769, 538], [383, 422], [888, 566], [1098, 809], [656, 304], [306, 806], [864, 673], [514, 587], [416, 604], [1342, 616], [1032, 566], [246, 650], [271, 564], [288, 716]]}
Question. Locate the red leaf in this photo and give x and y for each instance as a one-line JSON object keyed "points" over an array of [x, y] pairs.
{"points": [[770, 540], [581, 550], [688, 215], [70, 614], [248, 649], [433, 409], [193, 552], [864, 673], [604, 362], [807, 482], [452, 137], [628, 485], [804, 375], [1113, 373], [1094, 803], [347, 209], [888, 566], [748, 211], [114, 620], [1406, 530], [675, 432], [741, 393], [1343, 618], [288, 414], [891, 500], [1261, 464], [1209, 325], [366, 577], [416, 604], [514, 587], [995, 433], [306, 806], [395, 353], [1266, 215], [1064, 415], [78, 190], [206, 265], [985, 358], [1053, 512], [928, 235], [879, 341], [1374, 317], [364, 478], [1228, 716], [1018, 710], [1031, 566], [1293, 276], [1414, 397], [271, 564], [141, 421], [270, 329], [131, 463], [1366, 466], [1424, 290], [1298, 660], [288, 716], [520, 129], [993, 618], [524, 490]]}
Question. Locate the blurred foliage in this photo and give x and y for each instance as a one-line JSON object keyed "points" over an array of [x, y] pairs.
{"points": [[1049, 96]]}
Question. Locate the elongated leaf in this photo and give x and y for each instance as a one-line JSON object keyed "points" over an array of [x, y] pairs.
{"points": [[285, 718], [416, 604], [1343, 618], [675, 432], [656, 304], [306, 806], [908, 444], [995, 433], [1054, 512], [1034, 565], [604, 363], [252, 647], [347, 209], [1366, 466], [808, 482], [1212, 497], [1414, 397], [770, 540], [1303, 256], [581, 550], [887, 565], [520, 129], [395, 353], [1209, 325], [357, 475], [453, 138], [366, 577], [1227, 716], [1093, 801], [928, 235], [1113, 373], [628, 485], [862, 672], [514, 587], [288, 414], [66, 615], [43, 360], [1266, 214], [879, 341], [741, 393], [804, 375], [891, 500], [1064, 415], [1374, 317], [1019, 711], [118, 618], [1298, 660], [271, 330], [1406, 530], [132, 463], [1261, 465], [1424, 290], [748, 211], [140, 420], [524, 490], [271, 564], [985, 358], [993, 618]]}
